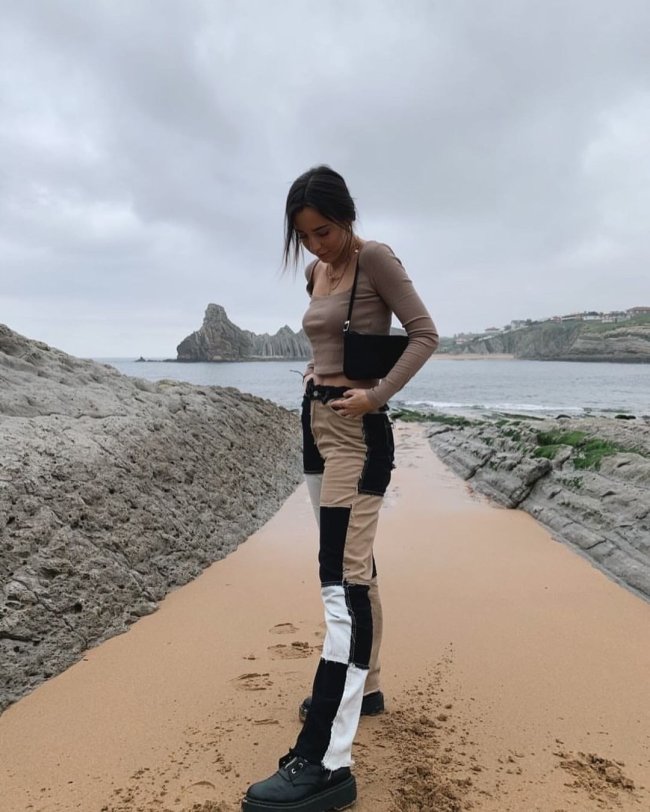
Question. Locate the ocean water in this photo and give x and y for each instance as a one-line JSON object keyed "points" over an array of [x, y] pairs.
{"points": [[461, 387]]}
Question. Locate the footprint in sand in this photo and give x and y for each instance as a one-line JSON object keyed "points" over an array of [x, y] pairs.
{"points": [[295, 651], [253, 682], [284, 628], [199, 792], [202, 784]]}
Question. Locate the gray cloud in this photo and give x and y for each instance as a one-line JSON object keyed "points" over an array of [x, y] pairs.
{"points": [[502, 149]]}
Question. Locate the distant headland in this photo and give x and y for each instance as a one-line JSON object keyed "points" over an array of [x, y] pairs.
{"points": [[618, 336]]}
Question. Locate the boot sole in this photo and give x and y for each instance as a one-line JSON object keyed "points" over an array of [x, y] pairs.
{"points": [[341, 796]]}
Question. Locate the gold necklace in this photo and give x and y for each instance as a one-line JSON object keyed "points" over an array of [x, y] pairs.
{"points": [[335, 281], [333, 285]]}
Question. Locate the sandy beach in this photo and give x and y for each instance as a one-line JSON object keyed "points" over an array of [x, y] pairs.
{"points": [[515, 673]]}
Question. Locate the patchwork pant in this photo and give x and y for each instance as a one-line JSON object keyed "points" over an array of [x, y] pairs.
{"points": [[348, 463]]}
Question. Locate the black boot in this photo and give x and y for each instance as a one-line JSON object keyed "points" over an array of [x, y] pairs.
{"points": [[300, 786], [372, 705]]}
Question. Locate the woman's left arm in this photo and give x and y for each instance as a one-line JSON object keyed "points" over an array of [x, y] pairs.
{"points": [[392, 283]]}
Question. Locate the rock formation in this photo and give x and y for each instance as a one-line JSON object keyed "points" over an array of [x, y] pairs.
{"points": [[220, 340], [587, 480], [114, 490], [284, 344]]}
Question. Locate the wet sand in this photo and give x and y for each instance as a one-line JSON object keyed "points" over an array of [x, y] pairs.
{"points": [[516, 674]]}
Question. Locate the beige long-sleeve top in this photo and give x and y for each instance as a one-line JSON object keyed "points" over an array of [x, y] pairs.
{"points": [[383, 288]]}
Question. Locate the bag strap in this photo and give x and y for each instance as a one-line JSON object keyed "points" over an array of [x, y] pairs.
{"points": [[346, 324]]}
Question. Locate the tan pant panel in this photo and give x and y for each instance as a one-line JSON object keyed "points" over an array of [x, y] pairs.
{"points": [[341, 443], [357, 557], [373, 679]]}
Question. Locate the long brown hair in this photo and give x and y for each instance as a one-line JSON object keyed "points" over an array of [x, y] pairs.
{"points": [[322, 189]]}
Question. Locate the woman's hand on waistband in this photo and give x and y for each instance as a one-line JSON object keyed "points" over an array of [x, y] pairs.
{"points": [[354, 403]]}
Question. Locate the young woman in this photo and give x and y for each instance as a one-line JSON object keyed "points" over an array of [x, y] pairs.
{"points": [[348, 458]]}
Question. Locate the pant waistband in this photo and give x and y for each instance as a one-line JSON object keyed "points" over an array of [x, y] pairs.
{"points": [[316, 391], [324, 393]]}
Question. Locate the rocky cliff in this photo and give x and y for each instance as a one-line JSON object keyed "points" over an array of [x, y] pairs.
{"points": [[219, 339], [568, 341], [114, 490], [587, 480]]}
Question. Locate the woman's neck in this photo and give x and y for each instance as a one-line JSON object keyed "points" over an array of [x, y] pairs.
{"points": [[340, 265]]}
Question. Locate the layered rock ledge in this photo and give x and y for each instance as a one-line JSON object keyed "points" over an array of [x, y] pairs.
{"points": [[113, 491], [586, 479]]}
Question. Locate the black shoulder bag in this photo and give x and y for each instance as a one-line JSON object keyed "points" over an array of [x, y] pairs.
{"points": [[368, 356]]}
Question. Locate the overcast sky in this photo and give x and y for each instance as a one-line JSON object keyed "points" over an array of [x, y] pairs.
{"points": [[147, 146]]}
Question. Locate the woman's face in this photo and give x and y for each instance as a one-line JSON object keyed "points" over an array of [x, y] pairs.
{"points": [[320, 236]]}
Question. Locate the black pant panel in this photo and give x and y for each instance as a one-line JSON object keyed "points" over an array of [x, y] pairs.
{"points": [[312, 462], [314, 738], [380, 456]]}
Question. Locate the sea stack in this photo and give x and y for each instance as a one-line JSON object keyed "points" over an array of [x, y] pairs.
{"points": [[218, 339]]}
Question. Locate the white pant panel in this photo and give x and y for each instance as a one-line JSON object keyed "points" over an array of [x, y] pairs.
{"points": [[314, 483], [346, 721], [336, 646]]}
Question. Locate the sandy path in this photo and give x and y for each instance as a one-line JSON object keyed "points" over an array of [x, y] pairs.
{"points": [[506, 656]]}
